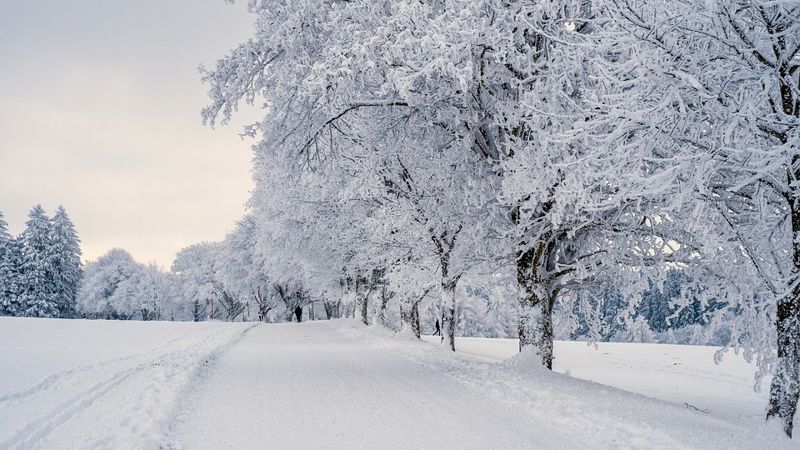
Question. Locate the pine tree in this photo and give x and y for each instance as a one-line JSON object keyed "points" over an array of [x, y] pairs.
{"points": [[9, 262], [37, 297], [66, 262], [4, 235], [14, 268], [5, 275]]}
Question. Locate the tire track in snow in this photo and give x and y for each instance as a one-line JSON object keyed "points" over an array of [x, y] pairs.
{"points": [[39, 429], [53, 380], [192, 353], [187, 398], [50, 381]]}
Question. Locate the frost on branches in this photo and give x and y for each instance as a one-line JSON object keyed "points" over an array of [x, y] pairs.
{"points": [[9, 271], [730, 127], [37, 297], [40, 270], [407, 146], [67, 268]]}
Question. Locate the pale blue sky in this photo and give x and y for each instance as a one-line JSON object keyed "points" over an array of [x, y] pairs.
{"points": [[100, 111]]}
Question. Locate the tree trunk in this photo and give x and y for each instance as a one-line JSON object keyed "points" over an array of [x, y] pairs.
{"points": [[328, 306], [415, 319], [410, 316], [364, 304], [449, 319], [785, 388], [405, 316], [536, 325], [535, 305], [384, 303]]}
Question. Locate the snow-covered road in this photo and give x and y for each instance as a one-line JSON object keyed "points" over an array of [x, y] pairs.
{"points": [[289, 386], [332, 384]]}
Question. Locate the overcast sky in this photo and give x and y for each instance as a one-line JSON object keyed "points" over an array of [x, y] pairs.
{"points": [[100, 111]]}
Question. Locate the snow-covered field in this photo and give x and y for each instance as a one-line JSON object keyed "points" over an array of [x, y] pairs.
{"points": [[337, 384], [99, 384], [682, 374]]}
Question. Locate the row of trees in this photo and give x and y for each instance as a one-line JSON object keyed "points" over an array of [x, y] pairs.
{"points": [[40, 269], [228, 281], [207, 281], [570, 146]]}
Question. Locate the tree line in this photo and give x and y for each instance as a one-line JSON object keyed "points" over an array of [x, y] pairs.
{"points": [[227, 281]]}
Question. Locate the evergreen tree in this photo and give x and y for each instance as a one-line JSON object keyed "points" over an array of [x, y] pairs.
{"points": [[5, 275], [659, 306], [4, 235], [66, 262], [37, 297], [599, 315], [9, 263], [14, 269]]}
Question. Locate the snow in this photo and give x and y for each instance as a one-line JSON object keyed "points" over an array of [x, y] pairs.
{"points": [[337, 384], [98, 384], [681, 374], [308, 386]]}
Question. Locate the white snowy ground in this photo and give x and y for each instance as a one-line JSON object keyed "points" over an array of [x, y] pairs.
{"points": [[97, 384], [682, 374], [75, 384]]}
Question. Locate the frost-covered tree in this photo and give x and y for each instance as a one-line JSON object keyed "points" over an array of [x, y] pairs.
{"points": [[105, 286], [197, 269], [9, 271], [40, 270], [483, 310], [173, 304], [145, 295], [241, 269], [442, 219], [727, 119], [66, 262], [676, 305], [115, 286], [308, 238], [37, 296], [672, 310], [199, 311]]}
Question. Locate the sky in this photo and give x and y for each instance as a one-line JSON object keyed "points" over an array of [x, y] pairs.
{"points": [[100, 112]]}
